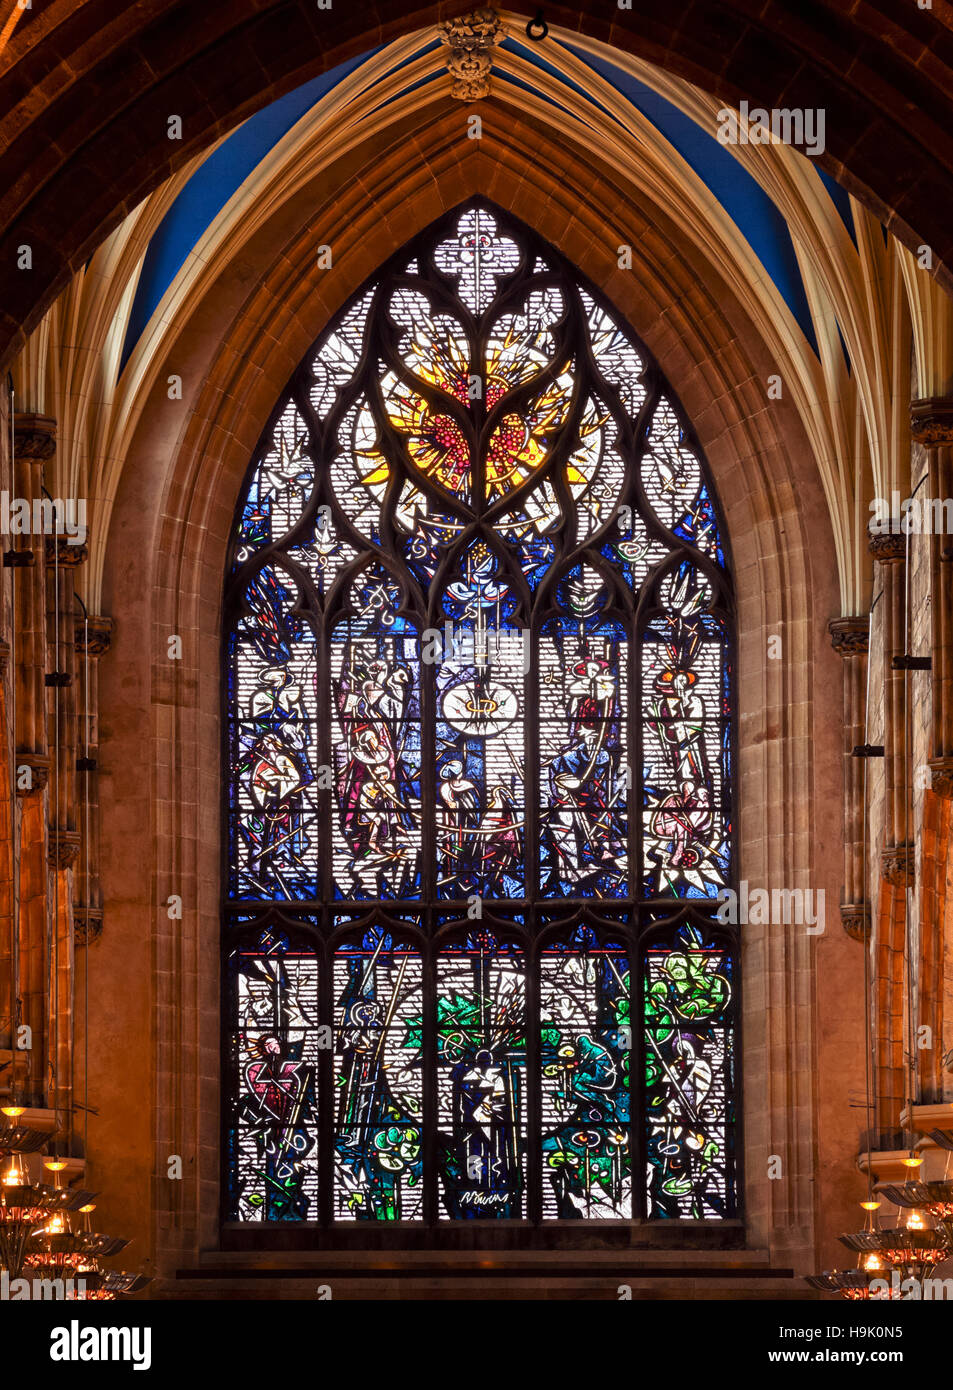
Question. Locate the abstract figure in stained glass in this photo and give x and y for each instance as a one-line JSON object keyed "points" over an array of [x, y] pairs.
{"points": [[273, 671], [479, 737], [585, 1048], [377, 749], [277, 771], [275, 1139], [677, 719], [481, 1060], [378, 1081], [584, 782], [584, 808], [686, 746], [689, 1082], [373, 695]]}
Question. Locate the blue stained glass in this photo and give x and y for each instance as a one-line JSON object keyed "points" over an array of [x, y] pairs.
{"points": [[478, 671], [273, 712]]}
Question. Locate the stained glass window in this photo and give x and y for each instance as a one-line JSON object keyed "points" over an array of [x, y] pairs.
{"points": [[478, 723], [378, 1094]]}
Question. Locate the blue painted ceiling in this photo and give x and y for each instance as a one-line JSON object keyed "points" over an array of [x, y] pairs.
{"points": [[218, 177]]}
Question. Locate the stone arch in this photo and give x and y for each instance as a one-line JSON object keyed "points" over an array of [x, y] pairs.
{"points": [[165, 566]]}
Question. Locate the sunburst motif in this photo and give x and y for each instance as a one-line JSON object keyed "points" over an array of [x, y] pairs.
{"points": [[437, 354]]}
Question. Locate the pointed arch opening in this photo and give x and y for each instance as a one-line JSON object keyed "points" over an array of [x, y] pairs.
{"points": [[478, 699]]}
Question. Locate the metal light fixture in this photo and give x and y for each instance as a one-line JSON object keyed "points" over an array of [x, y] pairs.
{"points": [[26, 1209], [76, 1255]]}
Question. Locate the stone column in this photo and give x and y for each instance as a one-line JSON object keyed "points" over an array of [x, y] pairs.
{"points": [[931, 425], [62, 560], [849, 638], [62, 717], [92, 640], [897, 858], [34, 444], [8, 995]]}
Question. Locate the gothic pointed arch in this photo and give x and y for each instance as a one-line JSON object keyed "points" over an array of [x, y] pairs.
{"points": [[478, 712]]}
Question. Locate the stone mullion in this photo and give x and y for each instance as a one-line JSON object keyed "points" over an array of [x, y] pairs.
{"points": [[849, 638], [35, 442]]}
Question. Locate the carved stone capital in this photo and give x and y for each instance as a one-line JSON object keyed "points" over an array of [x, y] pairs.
{"points": [[931, 421], [898, 864], [100, 635], [68, 555], [63, 850], [887, 546], [470, 39], [87, 924], [855, 919], [32, 773], [34, 436], [849, 636], [941, 776]]}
